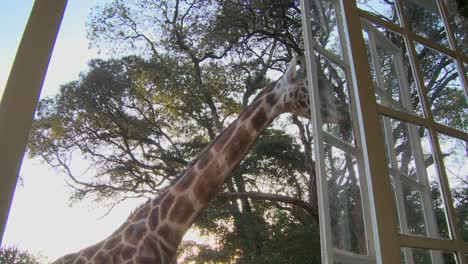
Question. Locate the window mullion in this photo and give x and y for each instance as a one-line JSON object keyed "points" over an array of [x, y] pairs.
{"points": [[322, 188]]}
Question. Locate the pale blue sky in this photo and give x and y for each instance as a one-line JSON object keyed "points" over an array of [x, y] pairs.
{"points": [[41, 219]]}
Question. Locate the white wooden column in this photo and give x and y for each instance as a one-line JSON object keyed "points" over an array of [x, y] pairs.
{"points": [[22, 92]]}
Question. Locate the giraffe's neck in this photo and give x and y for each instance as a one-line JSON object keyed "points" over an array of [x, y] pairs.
{"points": [[192, 193], [153, 233]]}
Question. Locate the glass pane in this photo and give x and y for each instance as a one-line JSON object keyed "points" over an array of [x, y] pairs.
{"points": [[394, 86], [425, 20], [335, 100], [346, 216], [444, 88], [384, 9], [325, 28], [415, 180], [426, 256], [459, 24], [401, 157], [455, 153], [413, 209]]}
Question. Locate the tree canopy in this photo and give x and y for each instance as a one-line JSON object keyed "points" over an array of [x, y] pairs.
{"points": [[182, 71], [13, 255]]}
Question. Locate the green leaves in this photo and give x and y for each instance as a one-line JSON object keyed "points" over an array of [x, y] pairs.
{"points": [[13, 255], [185, 70]]}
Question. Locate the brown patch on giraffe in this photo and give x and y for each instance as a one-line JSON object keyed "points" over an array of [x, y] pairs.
{"points": [[238, 146], [249, 110], [113, 242], [207, 186], [116, 253], [182, 209], [128, 252], [102, 258], [186, 180], [150, 247], [173, 238], [168, 252], [134, 233], [154, 218], [70, 258], [258, 121], [272, 99], [166, 204], [91, 251], [224, 137], [142, 212], [146, 260], [204, 159], [161, 196], [80, 261]]}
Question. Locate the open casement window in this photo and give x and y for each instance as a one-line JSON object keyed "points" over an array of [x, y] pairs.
{"points": [[392, 183], [343, 204]]}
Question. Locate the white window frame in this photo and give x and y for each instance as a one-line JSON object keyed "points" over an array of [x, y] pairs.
{"points": [[387, 241], [329, 253]]}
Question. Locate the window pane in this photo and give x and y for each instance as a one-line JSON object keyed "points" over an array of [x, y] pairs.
{"points": [[426, 256], [455, 153], [346, 216], [384, 9], [425, 20], [415, 180], [413, 209], [335, 99], [459, 24], [394, 85], [325, 28], [444, 88]]}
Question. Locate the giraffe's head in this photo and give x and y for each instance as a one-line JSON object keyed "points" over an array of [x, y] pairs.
{"points": [[292, 88]]}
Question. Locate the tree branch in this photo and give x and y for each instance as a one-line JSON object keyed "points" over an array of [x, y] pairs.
{"points": [[272, 197]]}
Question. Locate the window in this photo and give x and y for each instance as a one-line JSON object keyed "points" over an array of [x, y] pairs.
{"points": [[398, 68]]}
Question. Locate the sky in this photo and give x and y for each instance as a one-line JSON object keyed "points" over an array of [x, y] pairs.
{"points": [[42, 220]]}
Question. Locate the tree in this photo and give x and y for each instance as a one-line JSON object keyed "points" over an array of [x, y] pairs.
{"points": [[189, 66], [13, 255], [139, 120]]}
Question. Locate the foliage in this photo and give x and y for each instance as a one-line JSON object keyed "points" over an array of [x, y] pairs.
{"points": [[13, 255], [185, 68]]}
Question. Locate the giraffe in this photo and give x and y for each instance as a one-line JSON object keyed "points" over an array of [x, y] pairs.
{"points": [[153, 232]]}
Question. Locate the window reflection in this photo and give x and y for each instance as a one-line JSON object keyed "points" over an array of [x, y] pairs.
{"points": [[384, 9], [444, 88], [459, 25], [425, 20], [415, 180], [455, 155]]}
